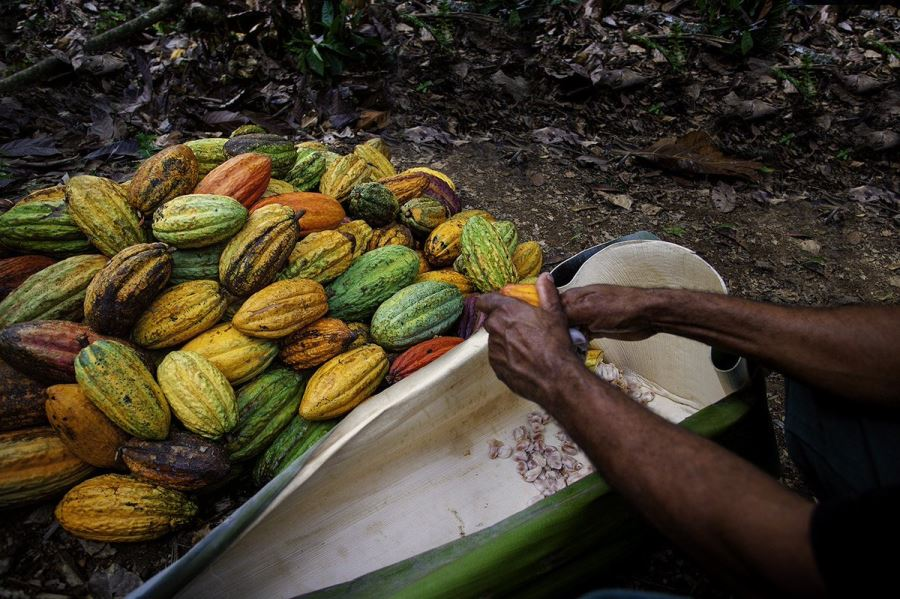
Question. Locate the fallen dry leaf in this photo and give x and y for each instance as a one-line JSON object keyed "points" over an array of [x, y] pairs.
{"points": [[696, 153], [373, 119], [724, 197]]}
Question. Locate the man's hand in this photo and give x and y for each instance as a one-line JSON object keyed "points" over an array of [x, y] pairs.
{"points": [[611, 311], [529, 348]]}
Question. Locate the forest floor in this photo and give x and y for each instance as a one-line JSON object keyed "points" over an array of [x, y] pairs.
{"points": [[550, 125]]}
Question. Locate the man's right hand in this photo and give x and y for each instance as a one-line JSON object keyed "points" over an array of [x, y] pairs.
{"points": [[611, 311]]}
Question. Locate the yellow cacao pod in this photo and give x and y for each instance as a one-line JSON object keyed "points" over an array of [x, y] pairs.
{"points": [[316, 343], [379, 163], [448, 275], [322, 257], [180, 314], [363, 335], [100, 209], [198, 393], [281, 308], [344, 174], [344, 382], [361, 233], [82, 427], [238, 356], [254, 256], [528, 259], [432, 172]]}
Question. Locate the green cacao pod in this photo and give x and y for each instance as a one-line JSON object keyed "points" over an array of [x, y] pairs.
{"points": [[361, 233], [42, 224], [193, 265], [487, 261], [265, 406], [508, 234], [180, 314], [370, 280], [210, 153], [123, 289], [198, 220], [294, 441], [395, 234], [184, 462], [422, 215], [167, 174], [100, 209], [247, 129], [54, 293], [307, 171], [238, 356], [254, 256], [373, 203], [321, 256], [344, 174], [416, 313], [115, 379], [198, 393], [279, 149]]}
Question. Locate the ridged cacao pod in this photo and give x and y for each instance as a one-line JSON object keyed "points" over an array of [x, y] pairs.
{"points": [[371, 279], [100, 209], [422, 215], [312, 145], [321, 256], [281, 308], [195, 265], [433, 173], [528, 259], [508, 234], [198, 393], [524, 293], [238, 356], [307, 171], [14, 271], [121, 509], [362, 332], [343, 382], [124, 288], [115, 379], [316, 212], [277, 187], [46, 349], [183, 462], [210, 153], [528, 281], [294, 441], [280, 150], [423, 263], [246, 130], [361, 233], [198, 220], [21, 400], [416, 313], [265, 406], [471, 319], [56, 292], [487, 261], [379, 163], [395, 234], [243, 178], [179, 314], [36, 464], [380, 145], [82, 427], [443, 244], [419, 356], [407, 186], [170, 173], [41, 222], [440, 191], [448, 275], [344, 174], [373, 203], [316, 344], [254, 256]]}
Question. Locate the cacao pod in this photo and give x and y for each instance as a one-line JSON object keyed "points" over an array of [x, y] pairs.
{"points": [[443, 244], [281, 308], [373, 203], [422, 215], [198, 393], [433, 173], [395, 234], [121, 509], [316, 212], [307, 170], [198, 220], [82, 427], [487, 261], [46, 349], [312, 145], [179, 315], [243, 178], [508, 234], [316, 344], [343, 382], [471, 319], [423, 263], [183, 462], [294, 441], [239, 357], [528, 259], [363, 335], [321, 256], [361, 233], [167, 174], [41, 222], [380, 145], [379, 163], [280, 150], [14, 271], [524, 293], [370, 280], [100, 209], [254, 256], [448, 275], [416, 313], [344, 174], [247, 129], [21, 400], [194, 265], [420, 355], [210, 153], [277, 187], [407, 186]]}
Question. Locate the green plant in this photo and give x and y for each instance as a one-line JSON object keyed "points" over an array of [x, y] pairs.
{"points": [[752, 25], [787, 139], [424, 86], [656, 108], [843, 154], [676, 230], [804, 83], [673, 50], [109, 19], [146, 145]]}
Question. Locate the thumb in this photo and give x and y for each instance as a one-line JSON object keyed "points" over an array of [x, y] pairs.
{"points": [[548, 294]]}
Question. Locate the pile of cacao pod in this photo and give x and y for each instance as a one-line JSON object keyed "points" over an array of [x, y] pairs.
{"points": [[214, 317]]}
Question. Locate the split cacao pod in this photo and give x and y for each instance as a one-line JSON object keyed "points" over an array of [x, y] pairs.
{"points": [[419, 356], [36, 464], [395, 234], [265, 406], [169, 173], [82, 427], [41, 222], [344, 174], [307, 170], [21, 400], [371, 279], [315, 211], [238, 356], [294, 441], [100, 209], [280, 150], [46, 349], [416, 313], [55, 292], [198, 220], [321, 256], [379, 163], [487, 261], [254, 256], [281, 308], [14, 271], [121, 509], [361, 233], [448, 275], [115, 379], [123, 289], [179, 314], [198, 393], [316, 344], [183, 462], [243, 178], [343, 382], [210, 153], [528, 259]]}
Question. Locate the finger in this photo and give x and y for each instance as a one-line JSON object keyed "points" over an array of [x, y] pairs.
{"points": [[489, 302], [548, 294]]}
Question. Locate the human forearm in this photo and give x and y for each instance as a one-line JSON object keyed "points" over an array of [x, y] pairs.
{"points": [[718, 506]]}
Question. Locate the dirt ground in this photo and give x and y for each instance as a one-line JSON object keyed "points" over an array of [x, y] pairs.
{"points": [[530, 129]]}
